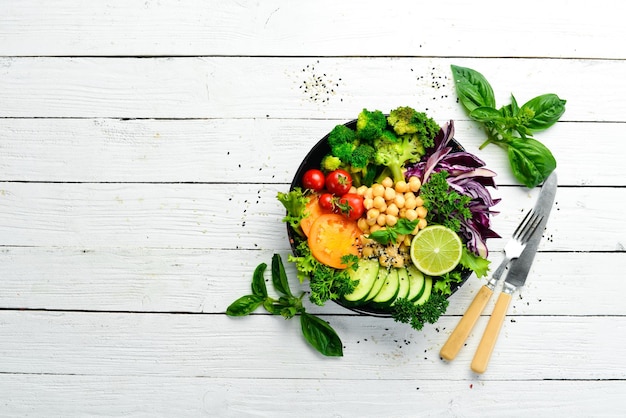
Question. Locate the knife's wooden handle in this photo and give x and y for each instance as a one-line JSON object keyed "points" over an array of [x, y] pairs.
{"points": [[456, 340], [488, 341]]}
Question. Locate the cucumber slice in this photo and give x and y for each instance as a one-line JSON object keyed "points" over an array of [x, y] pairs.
{"points": [[378, 283], [416, 282], [428, 287], [403, 285], [388, 291], [366, 274]]}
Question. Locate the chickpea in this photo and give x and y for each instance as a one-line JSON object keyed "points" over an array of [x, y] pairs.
{"points": [[421, 212], [368, 194], [391, 220], [372, 213], [368, 203], [410, 203], [367, 252], [399, 200], [378, 190], [414, 184], [422, 224], [362, 224], [375, 228], [352, 190], [397, 261], [361, 190], [381, 219], [389, 194], [387, 182], [419, 201], [411, 214], [401, 186], [379, 202], [392, 209]]}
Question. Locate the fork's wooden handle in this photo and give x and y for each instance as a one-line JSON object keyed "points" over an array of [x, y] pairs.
{"points": [[488, 341], [456, 340]]}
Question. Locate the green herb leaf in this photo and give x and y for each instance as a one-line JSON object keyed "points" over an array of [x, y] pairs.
{"points": [[486, 114], [476, 263], [258, 281], [320, 335], [390, 234], [472, 88], [547, 110], [531, 161], [279, 277], [245, 305]]}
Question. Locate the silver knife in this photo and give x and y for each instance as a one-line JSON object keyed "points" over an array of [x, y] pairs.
{"points": [[515, 278], [461, 332]]}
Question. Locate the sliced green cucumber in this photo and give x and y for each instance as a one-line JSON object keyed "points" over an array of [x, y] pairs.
{"points": [[403, 285], [428, 283], [366, 274], [416, 282], [378, 283], [388, 291]]}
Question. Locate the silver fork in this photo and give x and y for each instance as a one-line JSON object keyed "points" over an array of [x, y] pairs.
{"points": [[512, 250]]}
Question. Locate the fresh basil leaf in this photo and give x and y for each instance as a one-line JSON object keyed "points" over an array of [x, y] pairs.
{"points": [[320, 335], [531, 161], [472, 88], [245, 305], [486, 114], [404, 226], [547, 109], [279, 277], [511, 110], [384, 236], [258, 281]]}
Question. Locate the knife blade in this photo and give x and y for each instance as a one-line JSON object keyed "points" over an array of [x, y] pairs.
{"points": [[460, 334], [515, 278]]}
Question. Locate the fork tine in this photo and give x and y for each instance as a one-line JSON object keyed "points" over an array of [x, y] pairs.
{"points": [[522, 225], [533, 224]]}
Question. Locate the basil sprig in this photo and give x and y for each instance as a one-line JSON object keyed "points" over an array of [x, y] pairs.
{"points": [[512, 126], [316, 331]]}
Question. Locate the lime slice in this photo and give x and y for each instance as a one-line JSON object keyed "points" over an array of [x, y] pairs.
{"points": [[436, 250]]}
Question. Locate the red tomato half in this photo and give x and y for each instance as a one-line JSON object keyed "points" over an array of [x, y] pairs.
{"points": [[338, 182], [313, 179]]}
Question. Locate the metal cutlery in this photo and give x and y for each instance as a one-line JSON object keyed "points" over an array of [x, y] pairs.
{"points": [[515, 278], [524, 233]]}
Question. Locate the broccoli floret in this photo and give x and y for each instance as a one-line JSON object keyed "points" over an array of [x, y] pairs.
{"points": [[341, 134], [362, 156], [394, 153], [330, 163], [370, 124], [406, 120]]}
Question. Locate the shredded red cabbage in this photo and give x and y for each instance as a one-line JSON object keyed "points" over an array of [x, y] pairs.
{"points": [[466, 175]]}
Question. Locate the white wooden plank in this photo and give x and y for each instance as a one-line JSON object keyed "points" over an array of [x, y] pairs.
{"points": [[338, 88], [248, 216], [200, 281], [79, 396], [263, 346], [450, 28], [260, 150]]}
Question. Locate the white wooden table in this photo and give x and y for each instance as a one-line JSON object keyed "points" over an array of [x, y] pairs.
{"points": [[142, 144]]}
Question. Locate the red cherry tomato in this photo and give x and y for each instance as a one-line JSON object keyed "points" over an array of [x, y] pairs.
{"points": [[351, 206], [327, 202], [313, 179], [338, 182]]}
